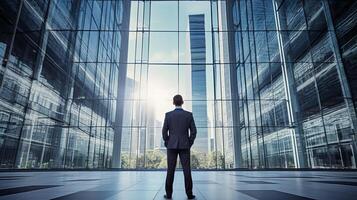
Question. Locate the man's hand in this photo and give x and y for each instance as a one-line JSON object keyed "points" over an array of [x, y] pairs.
{"points": [[165, 130], [193, 131]]}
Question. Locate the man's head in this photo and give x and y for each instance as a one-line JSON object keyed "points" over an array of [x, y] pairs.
{"points": [[177, 100]]}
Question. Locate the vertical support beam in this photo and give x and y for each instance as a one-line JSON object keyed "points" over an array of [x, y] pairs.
{"points": [[341, 72], [234, 87], [212, 7], [43, 40], [116, 156], [290, 93]]}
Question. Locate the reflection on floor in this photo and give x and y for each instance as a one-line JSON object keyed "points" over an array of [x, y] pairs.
{"points": [[142, 185]]}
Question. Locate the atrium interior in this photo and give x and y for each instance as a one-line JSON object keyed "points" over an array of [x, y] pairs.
{"points": [[85, 85]]}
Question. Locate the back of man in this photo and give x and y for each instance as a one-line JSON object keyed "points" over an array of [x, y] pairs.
{"points": [[179, 132]]}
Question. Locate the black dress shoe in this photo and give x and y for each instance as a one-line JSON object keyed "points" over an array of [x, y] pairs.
{"points": [[191, 196], [167, 196]]}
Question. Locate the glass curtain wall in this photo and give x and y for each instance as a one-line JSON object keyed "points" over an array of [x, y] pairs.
{"points": [[272, 83], [296, 81], [60, 70], [266, 139], [178, 47], [344, 15]]}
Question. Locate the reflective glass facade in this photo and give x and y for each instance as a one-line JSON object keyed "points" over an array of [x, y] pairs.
{"points": [[86, 83], [60, 71], [295, 82]]}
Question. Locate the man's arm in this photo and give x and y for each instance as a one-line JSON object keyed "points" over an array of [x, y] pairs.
{"points": [[193, 131], [165, 130]]}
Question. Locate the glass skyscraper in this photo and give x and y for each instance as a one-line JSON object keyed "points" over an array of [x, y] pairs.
{"points": [[86, 83], [294, 69], [198, 77], [61, 77]]}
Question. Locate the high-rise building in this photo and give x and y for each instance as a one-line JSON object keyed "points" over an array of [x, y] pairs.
{"points": [[295, 73], [61, 77], [198, 79]]}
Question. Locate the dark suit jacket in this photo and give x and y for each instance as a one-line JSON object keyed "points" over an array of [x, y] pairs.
{"points": [[175, 131]]}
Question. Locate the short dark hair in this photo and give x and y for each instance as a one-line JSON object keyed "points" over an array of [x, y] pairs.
{"points": [[178, 101]]}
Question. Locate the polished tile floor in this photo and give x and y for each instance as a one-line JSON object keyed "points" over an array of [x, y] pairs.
{"points": [[142, 185]]}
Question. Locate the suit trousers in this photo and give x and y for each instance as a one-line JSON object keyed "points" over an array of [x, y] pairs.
{"points": [[171, 166]]}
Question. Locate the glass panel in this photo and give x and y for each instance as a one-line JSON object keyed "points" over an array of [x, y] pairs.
{"points": [[163, 47], [164, 15]]}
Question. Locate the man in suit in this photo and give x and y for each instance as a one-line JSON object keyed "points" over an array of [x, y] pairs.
{"points": [[179, 133]]}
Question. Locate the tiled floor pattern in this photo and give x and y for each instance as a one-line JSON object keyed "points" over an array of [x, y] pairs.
{"points": [[208, 185]]}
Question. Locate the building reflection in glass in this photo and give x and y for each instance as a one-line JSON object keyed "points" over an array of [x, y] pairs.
{"points": [[81, 87], [60, 70]]}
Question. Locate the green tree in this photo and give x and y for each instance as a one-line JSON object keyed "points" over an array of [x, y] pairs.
{"points": [[216, 160], [125, 160], [154, 159], [199, 160]]}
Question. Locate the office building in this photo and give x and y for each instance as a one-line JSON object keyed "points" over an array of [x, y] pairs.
{"points": [[270, 83], [198, 78]]}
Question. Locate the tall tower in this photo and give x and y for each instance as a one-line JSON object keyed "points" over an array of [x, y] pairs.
{"points": [[198, 76]]}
